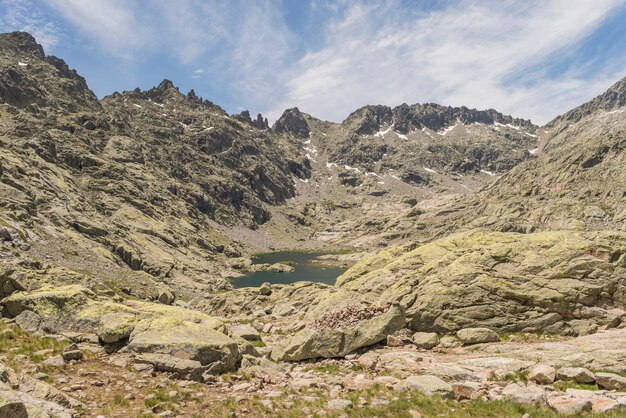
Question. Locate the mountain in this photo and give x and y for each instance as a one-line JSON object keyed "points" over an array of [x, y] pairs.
{"points": [[140, 183], [122, 221]]}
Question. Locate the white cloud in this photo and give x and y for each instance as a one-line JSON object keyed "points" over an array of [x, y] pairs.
{"points": [[26, 16], [475, 53], [469, 53], [114, 24]]}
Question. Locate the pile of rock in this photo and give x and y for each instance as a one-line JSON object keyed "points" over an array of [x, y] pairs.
{"points": [[348, 317]]}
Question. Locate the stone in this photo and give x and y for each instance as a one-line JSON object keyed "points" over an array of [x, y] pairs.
{"points": [[72, 355], [116, 326], [602, 406], [328, 342], [339, 404], [187, 369], [190, 340], [72, 352], [428, 385], [542, 374], [477, 336], [12, 408], [166, 297], [265, 289], [394, 341], [577, 374], [52, 300], [29, 321], [55, 361], [569, 405], [426, 340], [449, 341], [611, 381], [466, 390], [530, 394], [247, 332]]}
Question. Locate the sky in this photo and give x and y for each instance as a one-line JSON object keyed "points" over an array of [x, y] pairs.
{"points": [[533, 59]]}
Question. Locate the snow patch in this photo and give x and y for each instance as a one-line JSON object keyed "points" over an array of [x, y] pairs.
{"points": [[157, 104], [136, 105], [371, 173], [620, 110], [312, 149], [380, 182], [533, 151], [22, 64], [401, 136], [383, 133], [331, 165], [307, 155], [208, 129], [489, 173], [323, 134], [445, 131], [347, 167], [430, 170]]}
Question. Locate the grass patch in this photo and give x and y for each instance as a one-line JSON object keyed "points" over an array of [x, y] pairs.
{"points": [[569, 384], [257, 343], [14, 341], [326, 368]]}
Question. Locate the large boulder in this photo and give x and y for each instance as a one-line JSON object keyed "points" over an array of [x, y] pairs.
{"points": [[425, 340], [28, 321], [47, 301], [428, 385], [318, 340], [477, 335], [116, 326], [146, 327], [508, 282], [186, 340]]}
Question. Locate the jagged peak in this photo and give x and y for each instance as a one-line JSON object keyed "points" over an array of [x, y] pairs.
{"points": [[292, 121], [21, 42], [369, 119], [260, 122]]}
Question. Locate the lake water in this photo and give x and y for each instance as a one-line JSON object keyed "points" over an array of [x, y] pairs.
{"points": [[305, 270]]}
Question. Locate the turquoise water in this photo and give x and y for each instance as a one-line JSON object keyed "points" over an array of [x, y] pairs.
{"points": [[305, 270]]}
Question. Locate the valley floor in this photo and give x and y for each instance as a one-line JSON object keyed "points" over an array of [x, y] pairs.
{"points": [[487, 380]]}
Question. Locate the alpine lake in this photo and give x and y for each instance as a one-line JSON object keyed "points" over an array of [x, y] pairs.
{"points": [[305, 269]]}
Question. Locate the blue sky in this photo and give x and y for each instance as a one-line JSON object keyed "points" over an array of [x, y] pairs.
{"points": [[533, 59]]}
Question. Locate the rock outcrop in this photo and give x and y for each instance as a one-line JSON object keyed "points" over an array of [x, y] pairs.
{"points": [[559, 282], [338, 340], [292, 122]]}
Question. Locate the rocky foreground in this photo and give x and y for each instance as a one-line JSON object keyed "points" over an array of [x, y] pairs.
{"points": [[470, 374]]}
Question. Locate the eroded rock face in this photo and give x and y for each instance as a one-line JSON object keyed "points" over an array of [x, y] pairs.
{"points": [[556, 282], [315, 342]]}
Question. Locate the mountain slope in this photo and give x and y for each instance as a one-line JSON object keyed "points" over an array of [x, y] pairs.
{"points": [[140, 183]]}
